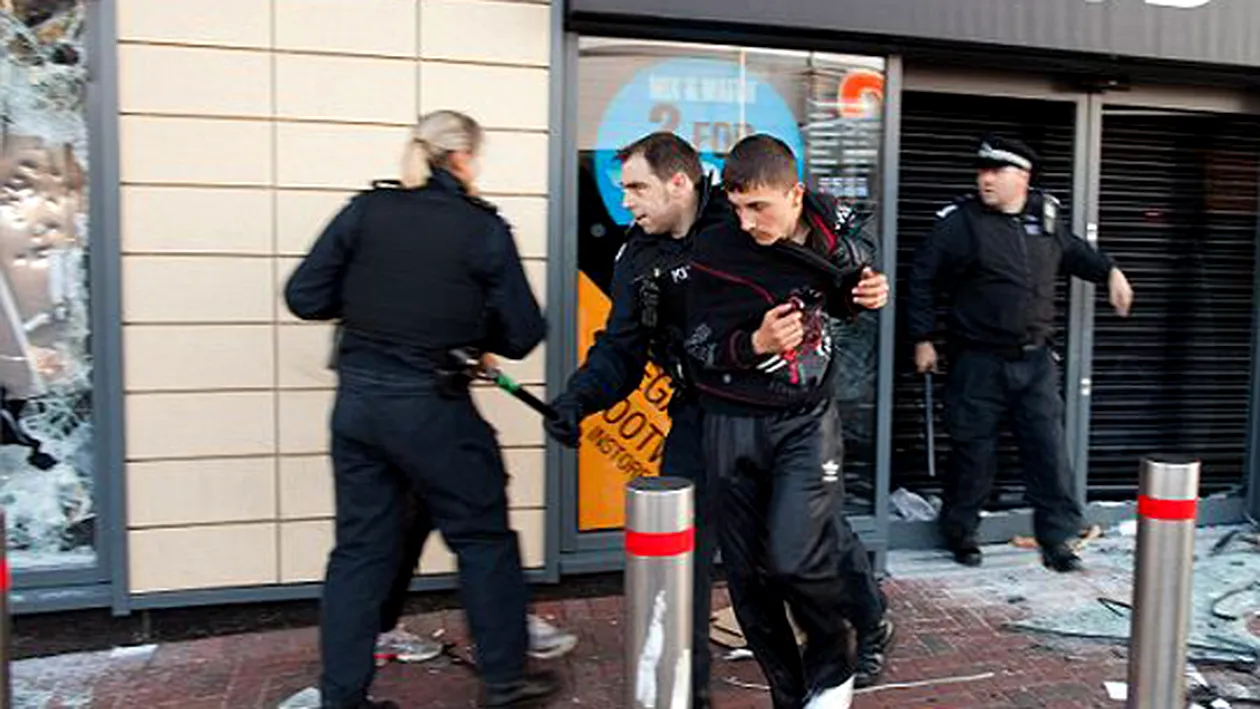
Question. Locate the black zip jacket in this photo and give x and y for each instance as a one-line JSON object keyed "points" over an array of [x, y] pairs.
{"points": [[1001, 270], [735, 281], [414, 273], [616, 362]]}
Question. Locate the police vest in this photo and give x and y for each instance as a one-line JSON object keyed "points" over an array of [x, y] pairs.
{"points": [[1045, 219], [660, 280], [410, 280]]}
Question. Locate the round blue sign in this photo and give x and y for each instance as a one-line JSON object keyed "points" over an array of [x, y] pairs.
{"points": [[704, 101]]}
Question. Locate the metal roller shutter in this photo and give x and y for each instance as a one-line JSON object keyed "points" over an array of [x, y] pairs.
{"points": [[938, 140], [1178, 212]]}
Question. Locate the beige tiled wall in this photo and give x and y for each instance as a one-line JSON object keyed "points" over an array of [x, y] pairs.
{"points": [[245, 125]]}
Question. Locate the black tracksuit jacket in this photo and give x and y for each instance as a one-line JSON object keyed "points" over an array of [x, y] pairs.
{"points": [[735, 281]]}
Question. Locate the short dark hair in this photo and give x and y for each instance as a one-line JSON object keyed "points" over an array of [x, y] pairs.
{"points": [[667, 154], [759, 160]]}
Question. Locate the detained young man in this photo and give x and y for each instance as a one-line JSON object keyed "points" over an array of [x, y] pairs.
{"points": [[758, 311]]}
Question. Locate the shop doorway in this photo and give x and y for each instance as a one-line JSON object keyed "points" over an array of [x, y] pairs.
{"points": [[1177, 207], [1166, 182], [939, 134]]}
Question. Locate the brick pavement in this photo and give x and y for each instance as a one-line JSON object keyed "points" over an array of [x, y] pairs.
{"points": [[951, 623]]}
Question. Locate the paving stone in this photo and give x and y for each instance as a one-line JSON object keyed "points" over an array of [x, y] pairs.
{"points": [[952, 623]]}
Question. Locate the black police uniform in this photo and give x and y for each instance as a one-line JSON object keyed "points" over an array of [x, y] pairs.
{"points": [[411, 274], [1001, 270], [649, 281], [773, 440]]}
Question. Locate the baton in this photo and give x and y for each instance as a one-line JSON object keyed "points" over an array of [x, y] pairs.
{"points": [[930, 416], [471, 364]]}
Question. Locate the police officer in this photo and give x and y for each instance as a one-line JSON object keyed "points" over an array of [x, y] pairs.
{"points": [[667, 194], [413, 269], [999, 252]]}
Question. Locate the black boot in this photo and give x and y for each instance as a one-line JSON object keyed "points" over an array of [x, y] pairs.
{"points": [[872, 654], [1061, 558], [531, 688], [967, 552]]}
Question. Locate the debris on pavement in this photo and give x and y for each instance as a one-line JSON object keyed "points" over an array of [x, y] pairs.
{"points": [[1087, 535], [725, 631], [911, 507], [1226, 594], [734, 682], [402, 645], [926, 683]]}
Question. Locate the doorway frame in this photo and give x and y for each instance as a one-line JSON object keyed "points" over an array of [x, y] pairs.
{"points": [[1002, 525]]}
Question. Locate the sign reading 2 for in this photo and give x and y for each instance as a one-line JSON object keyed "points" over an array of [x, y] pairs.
{"points": [[705, 101]]}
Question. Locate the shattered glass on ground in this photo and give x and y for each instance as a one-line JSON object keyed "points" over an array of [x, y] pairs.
{"points": [[1227, 582], [1067, 611]]}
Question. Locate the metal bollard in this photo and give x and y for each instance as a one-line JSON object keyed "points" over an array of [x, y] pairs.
{"points": [[660, 550], [1162, 589], [6, 643]]}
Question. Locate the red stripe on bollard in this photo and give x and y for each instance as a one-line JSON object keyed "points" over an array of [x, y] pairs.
{"points": [[666, 544], [1170, 510], [5, 578]]}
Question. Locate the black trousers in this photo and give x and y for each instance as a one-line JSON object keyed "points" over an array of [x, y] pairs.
{"points": [[864, 601], [392, 437], [417, 526], [984, 389], [784, 541]]}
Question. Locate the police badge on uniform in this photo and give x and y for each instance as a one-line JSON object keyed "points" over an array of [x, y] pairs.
{"points": [[1032, 225], [1050, 212]]}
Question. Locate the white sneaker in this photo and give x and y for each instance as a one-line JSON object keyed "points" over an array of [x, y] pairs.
{"points": [[835, 698], [308, 698], [401, 645], [546, 641]]}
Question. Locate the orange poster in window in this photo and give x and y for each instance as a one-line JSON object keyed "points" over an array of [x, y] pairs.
{"points": [[622, 443]]}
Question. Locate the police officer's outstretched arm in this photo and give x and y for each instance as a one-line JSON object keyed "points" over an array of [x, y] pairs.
{"points": [[313, 292], [1083, 261], [614, 365], [943, 253], [514, 322]]}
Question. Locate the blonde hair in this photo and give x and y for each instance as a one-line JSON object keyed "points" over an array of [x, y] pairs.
{"points": [[434, 137]]}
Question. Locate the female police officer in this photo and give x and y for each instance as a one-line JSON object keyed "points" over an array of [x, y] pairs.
{"points": [[413, 269]]}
